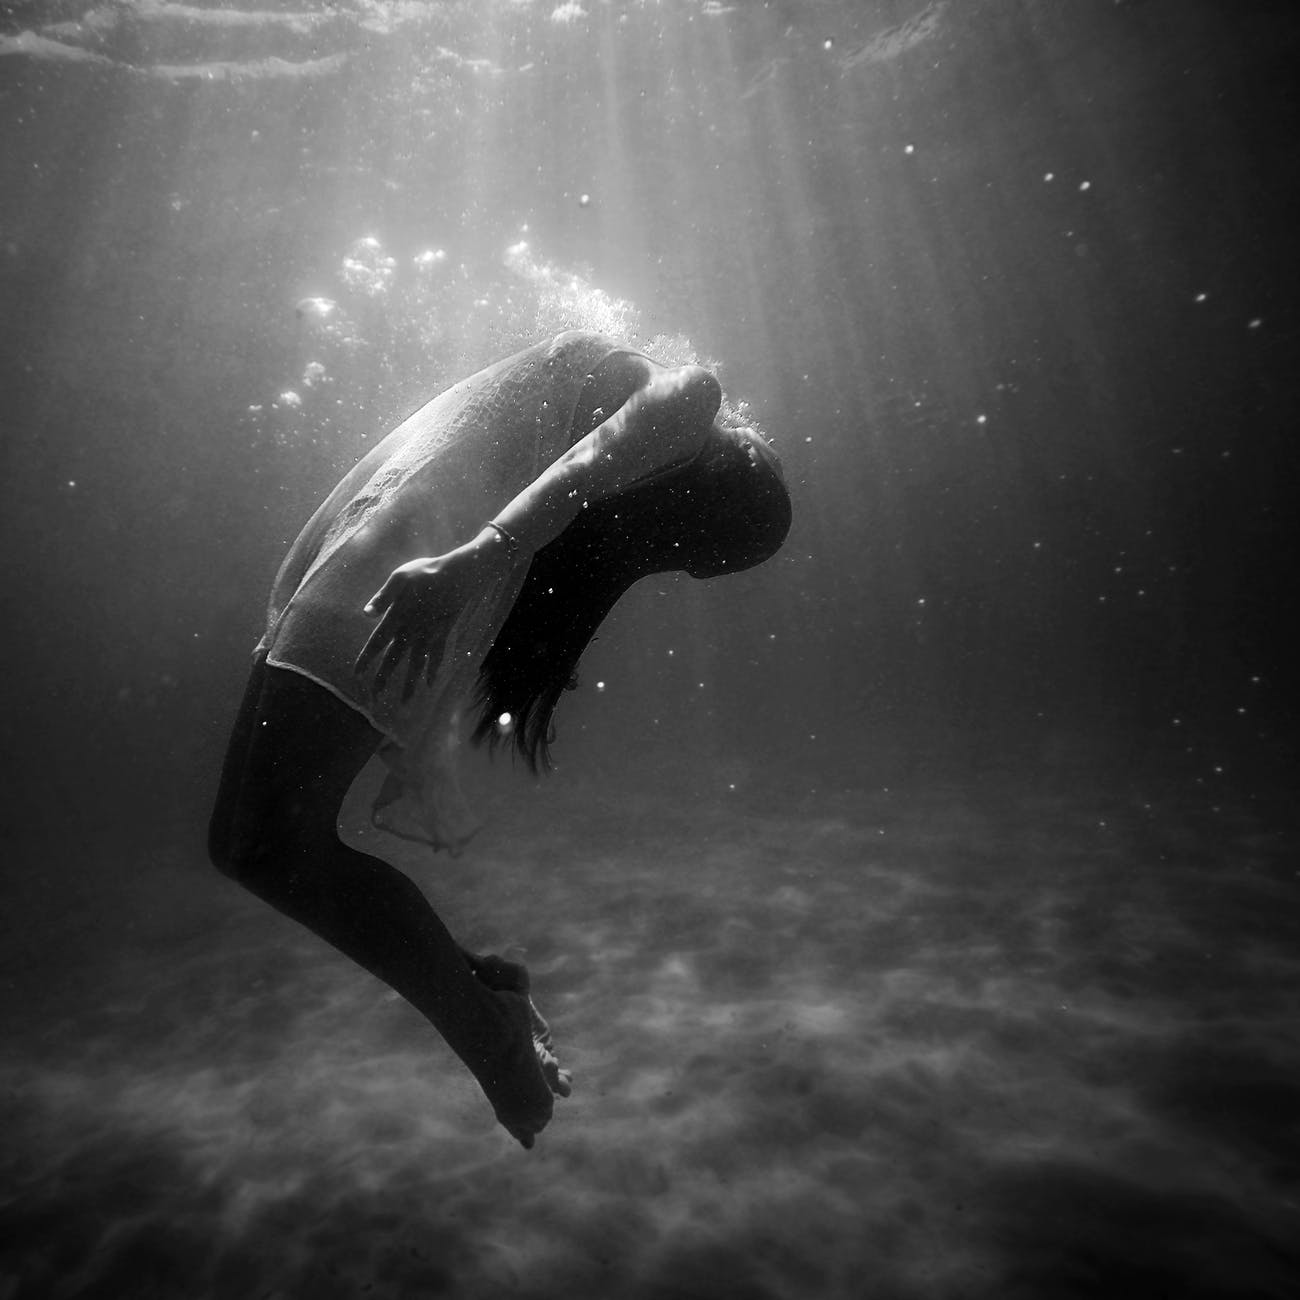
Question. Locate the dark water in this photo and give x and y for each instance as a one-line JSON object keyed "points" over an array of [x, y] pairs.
{"points": [[918, 913]]}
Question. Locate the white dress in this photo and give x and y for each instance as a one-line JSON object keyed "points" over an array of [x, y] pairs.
{"points": [[428, 487]]}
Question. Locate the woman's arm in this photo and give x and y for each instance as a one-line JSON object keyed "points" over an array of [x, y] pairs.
{"points": [[665, 422]]}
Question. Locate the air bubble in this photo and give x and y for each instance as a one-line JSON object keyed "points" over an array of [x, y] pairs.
{"points": [[430, 258], [367, 268]]}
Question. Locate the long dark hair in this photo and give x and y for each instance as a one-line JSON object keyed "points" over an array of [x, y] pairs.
{"points": [[724, 511]]}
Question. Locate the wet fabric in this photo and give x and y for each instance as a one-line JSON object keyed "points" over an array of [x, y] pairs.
{"points": [[428, 487]]}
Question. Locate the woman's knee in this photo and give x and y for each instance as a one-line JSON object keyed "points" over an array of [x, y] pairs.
{"points": [[246, 844], [262, 845]]}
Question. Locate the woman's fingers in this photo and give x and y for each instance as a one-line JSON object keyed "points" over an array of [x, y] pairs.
{"points": [[433, 661], [414, 671], [406, 614], [387, 635], [426, 659], [383, 599], [375, 643], [390, 644], [391, 649], [388, 664]]}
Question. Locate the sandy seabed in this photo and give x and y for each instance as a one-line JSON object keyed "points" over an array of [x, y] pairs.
{"points": [[952, 1040]]}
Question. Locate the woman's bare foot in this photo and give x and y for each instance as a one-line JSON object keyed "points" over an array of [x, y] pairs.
{"points": [[511, 1083]]}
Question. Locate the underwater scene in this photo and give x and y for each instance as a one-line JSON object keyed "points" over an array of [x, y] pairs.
{"points": [[772, 771]]}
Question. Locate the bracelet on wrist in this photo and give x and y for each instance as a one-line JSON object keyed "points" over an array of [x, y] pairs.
{"points": [[511, 541]]}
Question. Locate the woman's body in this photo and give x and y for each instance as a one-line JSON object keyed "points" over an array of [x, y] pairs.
{"points": [[331, 685]]}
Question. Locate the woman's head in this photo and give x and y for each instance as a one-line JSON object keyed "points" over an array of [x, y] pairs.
{"points": [[730, 504], [723, 511]]}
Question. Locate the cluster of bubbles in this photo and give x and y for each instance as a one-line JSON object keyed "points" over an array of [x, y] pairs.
{"points": [[367, 269], [325, 324], [325, 330], [430, 260], [568, 12], [567, 300], [401, 329]]}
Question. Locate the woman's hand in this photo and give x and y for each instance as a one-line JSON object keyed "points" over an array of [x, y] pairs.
{"points": [[420, 603]]}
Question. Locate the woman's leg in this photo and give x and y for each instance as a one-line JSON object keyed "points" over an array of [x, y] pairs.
{"points": [[294, 753]]}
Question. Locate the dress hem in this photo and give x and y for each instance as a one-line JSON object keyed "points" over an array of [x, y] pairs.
{"points": [[338, 695]]}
